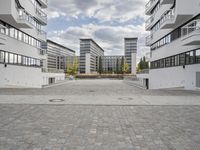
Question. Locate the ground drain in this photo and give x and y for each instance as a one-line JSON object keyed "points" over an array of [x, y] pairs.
{"points": [[56, 100], [125, 98], [91, 91]]}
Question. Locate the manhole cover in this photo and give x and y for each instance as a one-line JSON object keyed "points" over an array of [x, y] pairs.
{"points": [[56, 100], [125, 98], [91, 91]]}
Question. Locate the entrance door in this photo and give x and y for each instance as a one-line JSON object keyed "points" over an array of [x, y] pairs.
{"points": [[147, 83]]}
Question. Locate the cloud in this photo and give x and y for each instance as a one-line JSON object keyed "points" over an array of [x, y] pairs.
{"points": [[103, 10]]}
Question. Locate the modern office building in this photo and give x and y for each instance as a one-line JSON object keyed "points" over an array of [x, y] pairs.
{"points": [[89, 50], [22, 56], [110, 64], [56, 56], [174, 40], [130, 53]]}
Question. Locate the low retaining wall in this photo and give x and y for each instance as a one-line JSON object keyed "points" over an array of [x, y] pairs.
{"points": [[134, 81], [100, 76]]}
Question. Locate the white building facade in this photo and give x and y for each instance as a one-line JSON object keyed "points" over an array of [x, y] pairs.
{"points": [[21, 36], [174, 40]]}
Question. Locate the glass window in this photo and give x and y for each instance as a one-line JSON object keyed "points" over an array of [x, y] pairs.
{"points": [[12, 32], [6, 57], [177, 60], [20, 35], [19, 60], [7, 30], [198, 56], [187, 58], [3, 30], [11, 58], [172, 61], [192, 58], [182, 59], [2, 56], [28, 61], [24, 60], [16, 34], [167, 62], [15, 59]]}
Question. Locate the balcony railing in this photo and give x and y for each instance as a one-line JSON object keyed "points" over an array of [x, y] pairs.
{"points": [[42, 51], [42, 33], [45, 1], [149, 4], [25, 17], [169, 15], [148, 39], [190, 27], [149, 21], [42, 14]]}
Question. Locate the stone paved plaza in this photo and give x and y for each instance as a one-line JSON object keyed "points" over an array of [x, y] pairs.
{"points": [[28, 125]]}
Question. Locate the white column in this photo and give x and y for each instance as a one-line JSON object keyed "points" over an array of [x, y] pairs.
{"points": [[133, 63], [87, 63]]}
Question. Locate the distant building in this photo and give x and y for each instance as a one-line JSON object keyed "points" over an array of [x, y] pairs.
{"points": [[130, 53], [110, 64], [56, 56], [89, 49]]}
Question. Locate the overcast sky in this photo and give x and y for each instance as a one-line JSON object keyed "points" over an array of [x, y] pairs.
{"points": [[106, 21]]}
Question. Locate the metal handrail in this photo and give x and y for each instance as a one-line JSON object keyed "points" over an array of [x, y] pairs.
{"points": [[149, 4], [149, 21], [190, 27], [168, 15], [149, 38]]}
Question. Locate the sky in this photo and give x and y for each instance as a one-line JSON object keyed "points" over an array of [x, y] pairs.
{"points": [[105, 21]]}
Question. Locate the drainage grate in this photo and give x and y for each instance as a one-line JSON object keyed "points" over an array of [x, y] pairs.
{"points": [[125, 99], [56, 100]]}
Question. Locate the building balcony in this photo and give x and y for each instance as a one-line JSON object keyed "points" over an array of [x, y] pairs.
{"points": [[41, 16], [42, 51], [149, 39], [168, 19], [24, 19], [149, 6], [163, 2], [148, 23], [190, 33], [172, 19], [42, 35], [43, 3], [2, 39]]}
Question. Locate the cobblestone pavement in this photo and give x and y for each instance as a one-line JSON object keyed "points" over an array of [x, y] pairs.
{"points": [[96, 87], [76, 127]]}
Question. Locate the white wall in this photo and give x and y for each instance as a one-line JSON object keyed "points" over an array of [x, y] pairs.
{"points": [[20, 76], [87, 63], [133, 63], [58, 77], [174, 77]]}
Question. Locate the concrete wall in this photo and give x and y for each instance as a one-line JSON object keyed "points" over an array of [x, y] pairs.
{"points": [[58, 77], [20, 76], [174, 77]]}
